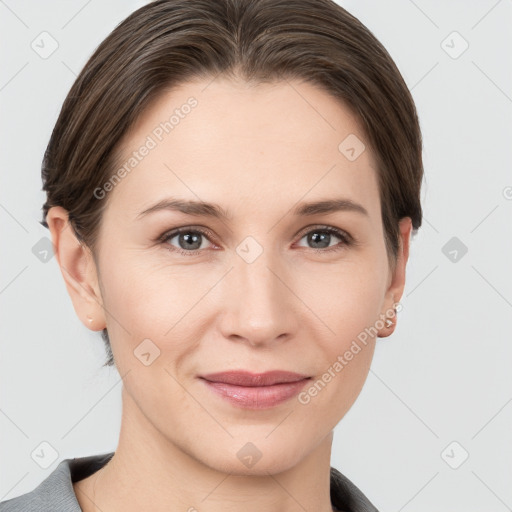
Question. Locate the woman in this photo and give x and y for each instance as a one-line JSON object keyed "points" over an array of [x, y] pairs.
{"points": [[231, 189]]}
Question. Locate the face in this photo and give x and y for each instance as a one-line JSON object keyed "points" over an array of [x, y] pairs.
{"points": [[265, 287]]}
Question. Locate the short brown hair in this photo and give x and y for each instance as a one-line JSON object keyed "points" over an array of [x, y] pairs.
{"points": [[167, 42]]}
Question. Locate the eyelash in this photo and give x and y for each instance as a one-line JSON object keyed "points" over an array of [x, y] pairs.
{"points": [[347, 240]]}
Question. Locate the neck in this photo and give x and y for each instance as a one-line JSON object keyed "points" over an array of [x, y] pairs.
{"points": [[148, 471]]}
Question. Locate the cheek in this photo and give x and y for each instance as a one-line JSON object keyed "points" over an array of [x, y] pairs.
{"points": [[347, 296], [144, 298], [349, 308], [148, 299], [332, 393]]}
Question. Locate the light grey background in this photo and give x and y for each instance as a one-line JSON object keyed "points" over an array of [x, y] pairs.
{"points": [[439, 389]]}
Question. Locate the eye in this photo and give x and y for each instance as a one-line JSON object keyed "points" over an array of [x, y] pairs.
{"points": [[320, 237], [190, 240]]}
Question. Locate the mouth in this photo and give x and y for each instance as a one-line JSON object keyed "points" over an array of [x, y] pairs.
{"points": [[255, 391]]}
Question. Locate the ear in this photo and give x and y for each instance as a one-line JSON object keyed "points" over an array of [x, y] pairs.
{"points": [[397, 279], [78, 269]]}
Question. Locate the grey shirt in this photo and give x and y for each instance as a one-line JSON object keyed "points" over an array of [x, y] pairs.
{"points": [[56, 493]]}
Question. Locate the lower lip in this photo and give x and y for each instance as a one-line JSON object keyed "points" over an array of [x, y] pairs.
{"points": [[260, 397]]}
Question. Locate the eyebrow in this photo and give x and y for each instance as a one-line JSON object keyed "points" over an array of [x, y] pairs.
{"points": [[204, 209]]}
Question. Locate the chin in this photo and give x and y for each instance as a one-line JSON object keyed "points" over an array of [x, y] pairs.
{"points": [[271, 464], [244, 457]]}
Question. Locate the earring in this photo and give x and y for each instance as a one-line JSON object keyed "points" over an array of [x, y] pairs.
{"points": [[89, 319], [389, 322]]}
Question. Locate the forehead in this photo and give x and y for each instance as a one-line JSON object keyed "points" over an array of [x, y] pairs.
{"points": [[234, 143]]}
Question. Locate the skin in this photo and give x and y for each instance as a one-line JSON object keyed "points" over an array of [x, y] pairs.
{"points": [[256, 151]]}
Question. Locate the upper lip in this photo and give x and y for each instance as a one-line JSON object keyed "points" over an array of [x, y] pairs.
{"points": [[245, 378]]}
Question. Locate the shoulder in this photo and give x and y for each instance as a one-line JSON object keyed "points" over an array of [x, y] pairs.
{"points": [[346, 496], [53, 493], [56, 493]]}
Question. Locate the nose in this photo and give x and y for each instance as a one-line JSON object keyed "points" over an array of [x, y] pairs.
{"points": [[258, 304]]}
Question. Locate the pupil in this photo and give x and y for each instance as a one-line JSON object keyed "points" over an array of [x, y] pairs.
{"points": [[323, 236], [194, 238]]}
